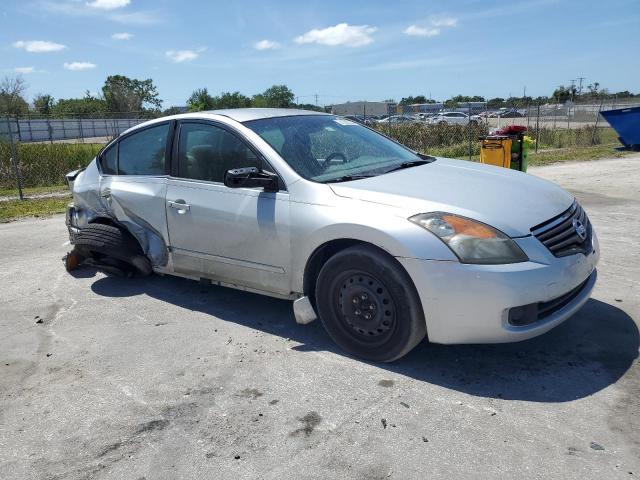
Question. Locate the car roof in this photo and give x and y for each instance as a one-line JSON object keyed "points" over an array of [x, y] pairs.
{"points": [[237, 114], [247, 114]]}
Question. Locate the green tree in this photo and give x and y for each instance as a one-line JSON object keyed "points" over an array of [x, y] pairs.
{"points": [[200, 100], [563, 94], [278, 96], [312, 106], [413, 100], [497, 102], [89, 106], [11, 96], [232, 100], [123, 94], [43, 104]]}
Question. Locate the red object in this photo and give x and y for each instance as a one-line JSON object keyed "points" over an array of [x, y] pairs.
{"points": [[512, 130]]}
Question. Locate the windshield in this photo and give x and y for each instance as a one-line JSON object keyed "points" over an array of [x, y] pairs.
{"points": [[324, 148]]}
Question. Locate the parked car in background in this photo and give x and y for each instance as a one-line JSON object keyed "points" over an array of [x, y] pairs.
{"points": [[356, 118], [455, 118], [422, 117], [385, 245], [513, 113], [507, 113], [397, 119]]}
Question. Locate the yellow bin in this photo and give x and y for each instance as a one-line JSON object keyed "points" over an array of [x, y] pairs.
{"points": [[496, 151]]}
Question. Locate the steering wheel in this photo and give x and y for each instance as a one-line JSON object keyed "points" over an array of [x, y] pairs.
{"points": [[334, 155]]}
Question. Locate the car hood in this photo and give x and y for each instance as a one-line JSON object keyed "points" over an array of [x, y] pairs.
{"points": [[508, 200]]}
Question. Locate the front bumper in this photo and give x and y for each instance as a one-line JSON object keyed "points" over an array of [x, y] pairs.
{"points": [[71, 222], [465, 303]]}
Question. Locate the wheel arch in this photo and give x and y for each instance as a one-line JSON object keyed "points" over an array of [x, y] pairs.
{"points": [[105, 221], [327, 250]]}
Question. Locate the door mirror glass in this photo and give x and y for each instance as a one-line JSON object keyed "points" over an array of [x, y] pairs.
{"points": [[251, 177]]}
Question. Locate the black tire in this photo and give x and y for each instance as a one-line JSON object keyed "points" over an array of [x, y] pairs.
{"points": [[353, 280], [97, 239]]}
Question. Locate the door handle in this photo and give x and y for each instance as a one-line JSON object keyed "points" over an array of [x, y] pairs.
{"points": [[106, 193], [180, 206]]}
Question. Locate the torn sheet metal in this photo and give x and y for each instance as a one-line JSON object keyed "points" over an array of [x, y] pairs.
{"points": [[109, 197]]}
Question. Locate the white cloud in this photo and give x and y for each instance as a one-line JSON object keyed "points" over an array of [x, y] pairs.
{"points": [[122, 36], [39, 46], [75, 66], [266, 45], [416, 31], [433, 29], [340, 34], [444, 22], [180, 56], [24, 69], [108, 4]]}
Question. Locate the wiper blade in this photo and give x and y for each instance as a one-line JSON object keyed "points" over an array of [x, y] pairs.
{"points": [[412, 163], [347, 178]]}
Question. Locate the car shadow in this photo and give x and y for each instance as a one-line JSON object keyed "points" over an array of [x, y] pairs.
{"points": [[587, 353]]}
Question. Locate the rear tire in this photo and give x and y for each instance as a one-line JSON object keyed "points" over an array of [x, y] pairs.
{"points": [[369, 305], [97, 240]]}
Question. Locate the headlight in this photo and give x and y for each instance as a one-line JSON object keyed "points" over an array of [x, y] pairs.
{"points": [[471, 241]]}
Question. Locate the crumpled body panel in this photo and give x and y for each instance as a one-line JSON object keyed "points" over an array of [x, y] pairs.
{"points": [[96, 196]]}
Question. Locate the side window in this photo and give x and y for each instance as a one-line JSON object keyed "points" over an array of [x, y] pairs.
{"points": [[109, 160], [143, 153], [206, 152]]}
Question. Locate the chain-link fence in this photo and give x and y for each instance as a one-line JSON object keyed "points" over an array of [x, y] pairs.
{"points": [[36, 151]]}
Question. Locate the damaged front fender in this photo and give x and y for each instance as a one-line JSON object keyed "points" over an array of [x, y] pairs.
{"points": [[135, 203]]}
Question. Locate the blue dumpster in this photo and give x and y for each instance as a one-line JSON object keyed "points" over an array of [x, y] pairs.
{"points": [[626, 123]]}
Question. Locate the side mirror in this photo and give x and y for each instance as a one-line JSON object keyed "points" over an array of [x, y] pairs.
{"points": [[251, 177]]}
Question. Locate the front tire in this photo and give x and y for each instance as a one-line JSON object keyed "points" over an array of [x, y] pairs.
{"points": [[369, 305]]}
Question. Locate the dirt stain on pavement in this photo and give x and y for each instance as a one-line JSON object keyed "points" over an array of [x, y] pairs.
{"points": [[386, 383], [251, 393], [309, 422]]}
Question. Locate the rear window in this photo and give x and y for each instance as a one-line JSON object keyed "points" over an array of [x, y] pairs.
{"points": [[109, 160], [143, 153]]}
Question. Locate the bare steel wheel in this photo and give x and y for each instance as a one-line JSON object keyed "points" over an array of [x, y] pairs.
{"points": [[368, 304]]}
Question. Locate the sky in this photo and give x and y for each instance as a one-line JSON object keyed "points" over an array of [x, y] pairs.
{"points": [[339, 50]]}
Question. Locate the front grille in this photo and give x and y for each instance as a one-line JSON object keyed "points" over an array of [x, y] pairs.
{"points": [[560, 234]]}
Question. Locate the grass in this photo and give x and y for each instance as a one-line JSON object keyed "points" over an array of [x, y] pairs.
{"points": [[31, 191], [44, 164], [37, 207], [576, 154]]}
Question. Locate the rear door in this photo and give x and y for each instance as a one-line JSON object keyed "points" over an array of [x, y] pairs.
{"points": [[134, 181], [235, 235]]}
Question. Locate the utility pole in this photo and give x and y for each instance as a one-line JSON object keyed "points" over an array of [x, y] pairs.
{"points": [[316, 97], [573, 88], [524, 92], [580, 79]]}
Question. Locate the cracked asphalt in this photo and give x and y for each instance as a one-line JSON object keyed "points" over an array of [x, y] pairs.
{"points": [[162, 378]]}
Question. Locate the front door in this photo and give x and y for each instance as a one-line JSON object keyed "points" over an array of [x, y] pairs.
{"points": [[235, 235]]}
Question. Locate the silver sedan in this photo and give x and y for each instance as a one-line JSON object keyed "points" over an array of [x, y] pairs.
{"points": [[385, 245]]}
